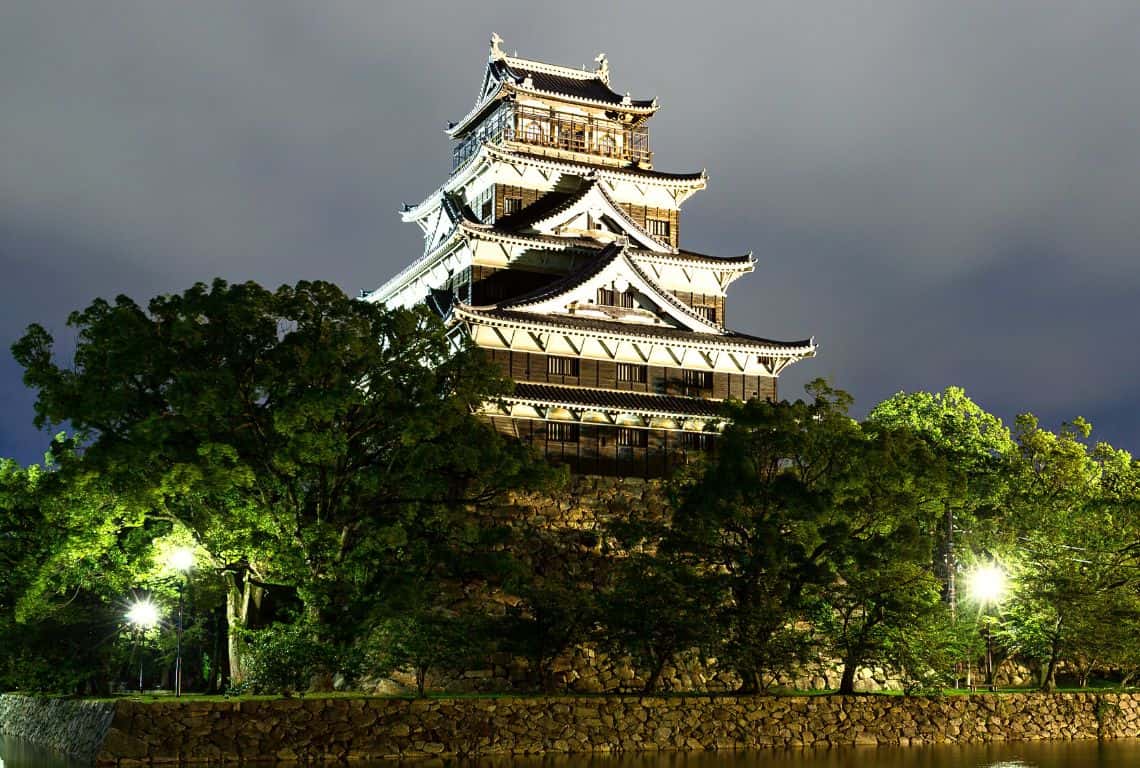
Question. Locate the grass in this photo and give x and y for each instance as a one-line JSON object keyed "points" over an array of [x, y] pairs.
{"points": [[1095, 686]]}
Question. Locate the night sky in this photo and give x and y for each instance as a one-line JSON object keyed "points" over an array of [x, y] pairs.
{"points": [[941, 193]]}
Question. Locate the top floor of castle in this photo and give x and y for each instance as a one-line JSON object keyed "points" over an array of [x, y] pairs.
{"points": [[555, 111]]}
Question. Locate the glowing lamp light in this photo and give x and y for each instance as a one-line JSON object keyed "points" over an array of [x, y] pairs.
{"points": [[987, 584], [143, 614], [182, 559]]}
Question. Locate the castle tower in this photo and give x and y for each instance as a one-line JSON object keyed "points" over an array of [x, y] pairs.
{"points": [[555, 246]]}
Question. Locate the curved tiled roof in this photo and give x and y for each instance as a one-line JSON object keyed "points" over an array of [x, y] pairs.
{"points": [[550, 204], [604, 258], [545, 80], [684, 258], [514, 74], [805, 347], [570, 166], [616, 400]]}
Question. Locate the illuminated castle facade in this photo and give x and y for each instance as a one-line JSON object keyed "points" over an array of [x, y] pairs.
{"points": [[555, 246]]}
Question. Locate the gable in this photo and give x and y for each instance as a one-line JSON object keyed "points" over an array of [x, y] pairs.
{"points": [[614, 288], [594, 210]]}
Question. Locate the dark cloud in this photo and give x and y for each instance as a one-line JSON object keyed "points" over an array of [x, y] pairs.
{"points": [[941, 193]]}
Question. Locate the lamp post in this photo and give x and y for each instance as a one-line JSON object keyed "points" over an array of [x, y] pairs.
{"points": [[142, 616], [987, 585], [182, 560]]}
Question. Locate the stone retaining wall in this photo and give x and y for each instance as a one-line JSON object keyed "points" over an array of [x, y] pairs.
{"points": [[345, 728], [71, 727]]}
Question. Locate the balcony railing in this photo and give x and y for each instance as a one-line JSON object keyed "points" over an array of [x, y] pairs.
{"points": [[557, 130]]}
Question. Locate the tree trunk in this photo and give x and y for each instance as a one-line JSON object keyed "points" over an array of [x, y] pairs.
{"points": [[847, 682], [243, 601], [1049, 684], [421, 680], [749, 681], [219, 664], [655, 674]]}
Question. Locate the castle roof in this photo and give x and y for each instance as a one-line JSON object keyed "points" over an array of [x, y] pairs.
{"points": [[730, 340], [619, 401], [509, 75]]}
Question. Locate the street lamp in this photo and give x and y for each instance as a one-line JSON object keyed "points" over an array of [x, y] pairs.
{"points": [[181, 560], [143, 616], [987, 586]]}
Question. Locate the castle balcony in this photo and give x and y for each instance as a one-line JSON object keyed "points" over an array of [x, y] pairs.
{"points": [[556, 132]]}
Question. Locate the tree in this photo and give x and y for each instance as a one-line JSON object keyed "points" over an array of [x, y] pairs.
{"points": [[761, 520], [554, 584], [884, 593], [306, 439], [65, 645], [975, 446], [427, 640], [1075, 513], [655, 608]]}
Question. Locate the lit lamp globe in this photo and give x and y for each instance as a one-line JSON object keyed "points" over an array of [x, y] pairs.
{"points": [[987, 584], [182, 559], [143, 614]]}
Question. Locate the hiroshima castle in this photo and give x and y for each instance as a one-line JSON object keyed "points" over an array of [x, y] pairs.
{"points": [[554, 245]]}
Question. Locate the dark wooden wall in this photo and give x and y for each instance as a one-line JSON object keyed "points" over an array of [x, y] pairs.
{"points": [[640, 213], [660, 380], [703, 300], [596, 451], [503, 191], [490, 285]]}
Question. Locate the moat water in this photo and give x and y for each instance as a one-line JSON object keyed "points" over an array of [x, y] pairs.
{"points": [[16, 753]]}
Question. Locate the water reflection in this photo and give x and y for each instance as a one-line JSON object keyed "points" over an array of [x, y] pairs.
{"points": [[1079, 754], [15, 753]]}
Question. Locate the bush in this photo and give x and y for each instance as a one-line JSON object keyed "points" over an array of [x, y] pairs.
{"points": [[284, 658]]}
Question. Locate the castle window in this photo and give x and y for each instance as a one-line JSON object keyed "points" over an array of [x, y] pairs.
{"points": [[561, 433], [632, 438], [631, 372], [697, 379], [512, 205], [707, 312], [658, 227], [562, 366], [606, 145], [696, 441], [534, 133], [611, 298]]}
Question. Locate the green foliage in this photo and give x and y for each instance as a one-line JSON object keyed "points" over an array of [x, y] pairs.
{"points": [[884, 588], [555, 582], [284, 659], [307, 441], [929, 653], [51, 645], [762, 521], [654, 608], [323, 457], [972, 449], [1079, 566], [429, 640]]}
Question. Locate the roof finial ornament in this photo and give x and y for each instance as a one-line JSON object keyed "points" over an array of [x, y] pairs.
{"points": [[603, 70], [626, 100], [497, 52]]}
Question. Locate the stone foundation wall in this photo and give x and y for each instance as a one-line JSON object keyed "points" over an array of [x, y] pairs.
{"points": [[391, 728], [74, 728], [356, 728]]}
